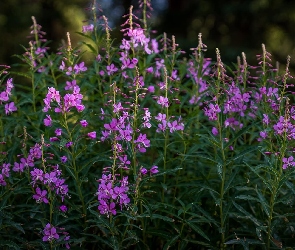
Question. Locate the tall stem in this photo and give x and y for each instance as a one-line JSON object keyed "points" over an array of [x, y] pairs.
{"points": [[75, 168], [166, 135]]}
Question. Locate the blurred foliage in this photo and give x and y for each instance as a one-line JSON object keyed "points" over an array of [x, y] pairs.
{"points": [[56, 18], [234, 26]]}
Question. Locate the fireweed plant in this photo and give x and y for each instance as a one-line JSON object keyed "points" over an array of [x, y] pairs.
{"points": [[142, 146]]}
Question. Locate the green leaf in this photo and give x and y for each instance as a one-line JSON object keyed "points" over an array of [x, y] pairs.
{"points": [[255, 170], [17, 226], [90, 47], [229, 182], [242, 154], [206, 215], [9, 243], [244, 242], [180, 211], [199, 243], [159, 233], [164, 186], [70, 171], [291, 186], [165, 218], [239, 133], [238, 242], [212, 140], [115, 243], [197, 230], [248, 215], [246, 197], [263, 203], [170, 242], [209, 158]]}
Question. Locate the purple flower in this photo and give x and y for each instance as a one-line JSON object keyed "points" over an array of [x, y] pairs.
{"points": [[124, 161], [288, 162], [147, 117], [150, 70], [117, 107], [87, 28], [212, 111], [112, 126], [61, 188], [151, 89], [4, 96], [70, 85], [154, 170], [84, 123], [37, 174], [143, 171], [48, 121], [111, 69], [29, 162], [2, 181], [58, 131], [162, 126], [173, 126], [63, 159], [18, 167], [63, 208], [50, 178], [214, 131], [53, 139], [10, 107], [50, 233], [92, 135], [142, 143], [40, 196], [62, 66], [160, 117], [163, 101], [263, 134], [265, 119], [6, 169], [68, 144], [80, 68], [36, 151], [105, 208]]}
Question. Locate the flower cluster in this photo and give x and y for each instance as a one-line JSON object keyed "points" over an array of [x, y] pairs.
{"points": [[153, 170], [137, 39], [51, 180], [73, 70], [5, 172], [172, 125], [4, 97], [50, 234], [64, 104], [198, 74], [109, 194]]}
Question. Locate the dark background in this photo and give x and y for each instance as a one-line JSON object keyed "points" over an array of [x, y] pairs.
{"points": [[234, 26]]}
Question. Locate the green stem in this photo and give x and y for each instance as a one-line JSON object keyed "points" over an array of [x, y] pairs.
{"points": [[166, 132], [33, 92], [76, 170], [144, 15], [269, 231]]}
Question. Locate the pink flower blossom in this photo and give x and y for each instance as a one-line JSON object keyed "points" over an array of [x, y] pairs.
{"points": [[163, 101], [50, 233], [10, 107], [48, 121], [92, 135], [40, 196], [154, 170], [84, 123]]}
